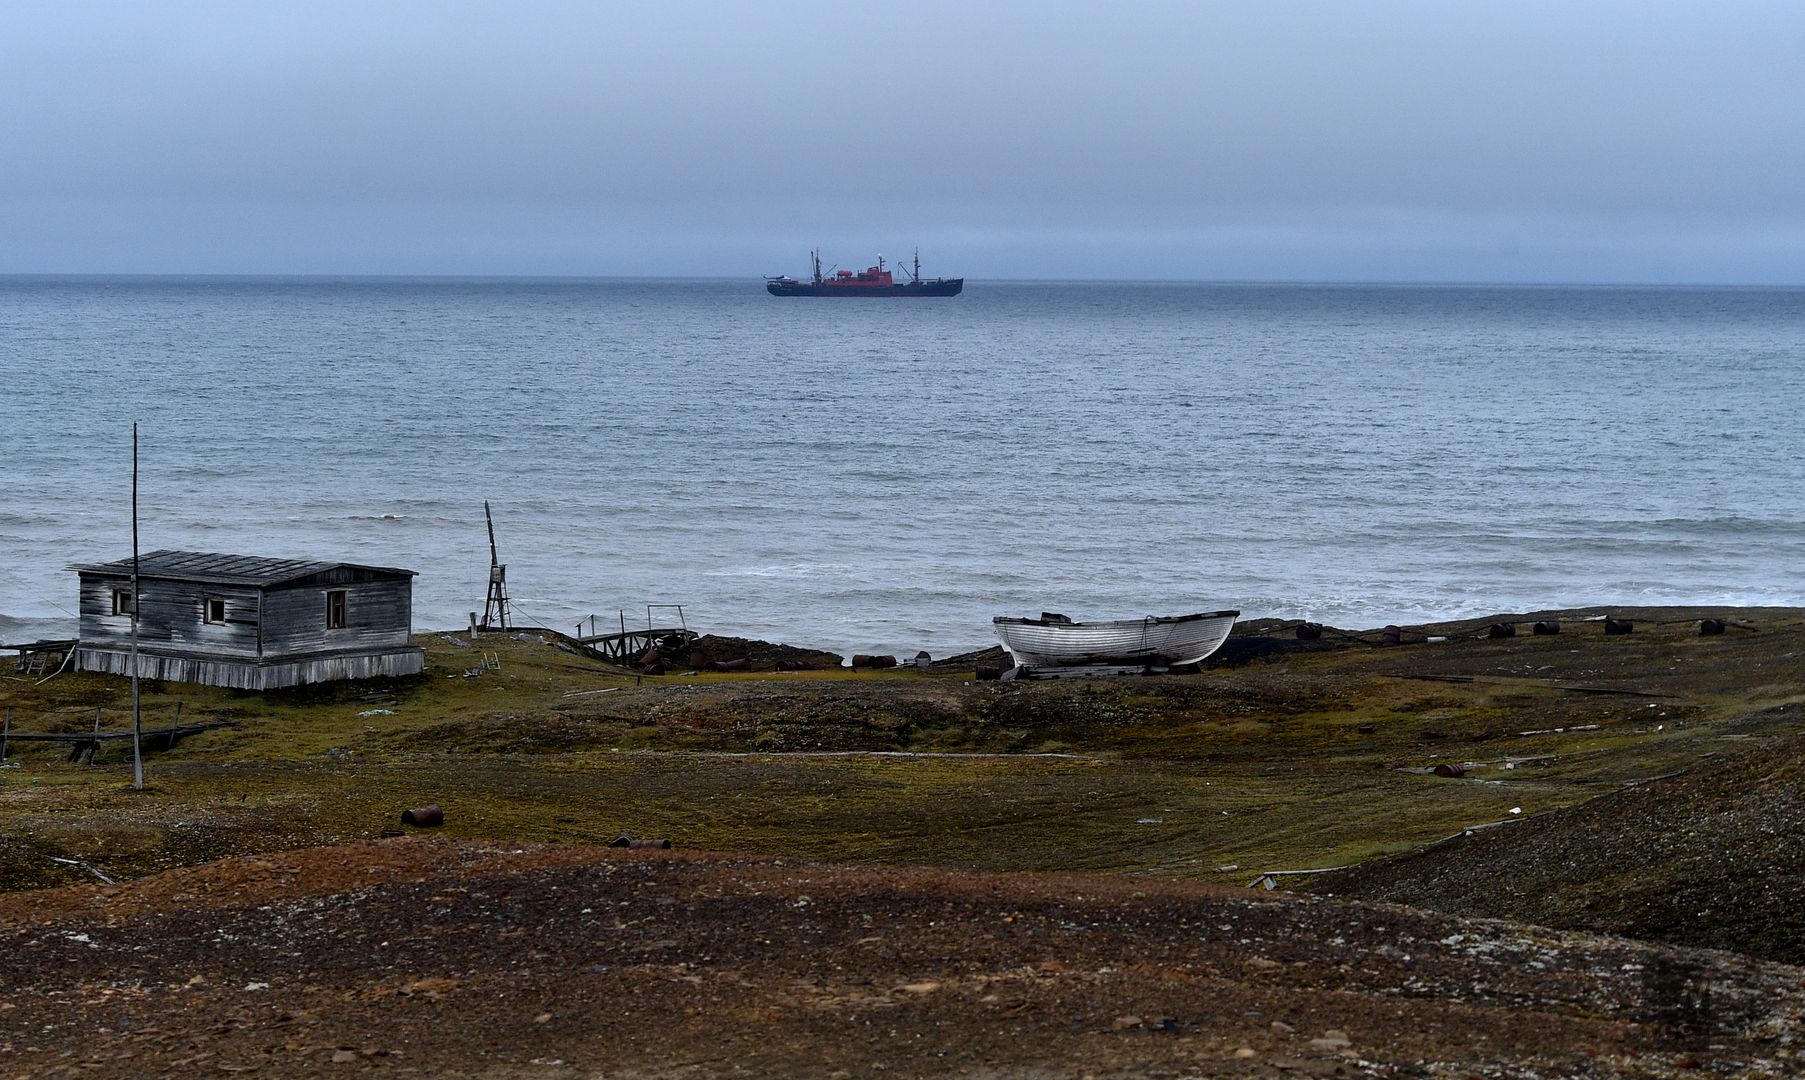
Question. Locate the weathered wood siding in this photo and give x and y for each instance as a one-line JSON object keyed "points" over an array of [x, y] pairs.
{"points": [[172, 615], [378, 614], [252, 675]]}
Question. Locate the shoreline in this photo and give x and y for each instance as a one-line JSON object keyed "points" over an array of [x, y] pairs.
{"points": [[17, 630]]}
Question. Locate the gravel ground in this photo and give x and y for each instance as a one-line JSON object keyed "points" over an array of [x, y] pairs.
{"points": [[460, 958], [1714, 857]]}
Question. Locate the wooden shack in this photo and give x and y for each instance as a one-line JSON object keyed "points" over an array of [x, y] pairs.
{"points": [[247, 622]]}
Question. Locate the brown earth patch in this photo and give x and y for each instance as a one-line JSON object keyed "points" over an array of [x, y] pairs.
{"points": [[476, 958]]}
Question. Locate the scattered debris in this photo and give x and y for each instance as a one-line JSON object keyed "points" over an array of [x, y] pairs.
{"points": [[97, 872]]}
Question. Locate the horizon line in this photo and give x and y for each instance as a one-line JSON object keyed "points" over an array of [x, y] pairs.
{"points": [[1265, 282]]}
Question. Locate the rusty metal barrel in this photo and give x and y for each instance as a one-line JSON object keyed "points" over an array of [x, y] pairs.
{"points": [[1616, 627], [989, 674], [1501, 630], [1449, 770], [1309, 631], [656, 667], [1391, 635], [1710, 627], [865, 660], [731, 665], [1545, 628], [425, 817], [626, 840], [789, 665]]}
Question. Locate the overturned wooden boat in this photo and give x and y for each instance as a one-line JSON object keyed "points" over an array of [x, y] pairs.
{"points": [[1154, 641]]}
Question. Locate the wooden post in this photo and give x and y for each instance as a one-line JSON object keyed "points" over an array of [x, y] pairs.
{"points": [[6, 727], [94, 747], [169, 743], [137, 714]]}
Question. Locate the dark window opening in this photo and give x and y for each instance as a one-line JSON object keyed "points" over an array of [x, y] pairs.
{"points": [[215, 609], [122, 602], [335, 609]]}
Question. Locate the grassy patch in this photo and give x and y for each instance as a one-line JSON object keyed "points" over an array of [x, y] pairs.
{"points": [[1293, 761]]}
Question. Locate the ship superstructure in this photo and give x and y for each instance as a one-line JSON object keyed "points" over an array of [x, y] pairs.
{"points": [[872, 281]]}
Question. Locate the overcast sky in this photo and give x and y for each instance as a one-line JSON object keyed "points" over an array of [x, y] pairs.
{"points": [[1431, 141]]}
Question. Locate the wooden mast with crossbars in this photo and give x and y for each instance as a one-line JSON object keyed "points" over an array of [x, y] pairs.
{"points": [[495, 608]]}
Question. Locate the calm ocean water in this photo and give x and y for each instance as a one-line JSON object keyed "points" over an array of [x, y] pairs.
{"points": [[886, 476]]}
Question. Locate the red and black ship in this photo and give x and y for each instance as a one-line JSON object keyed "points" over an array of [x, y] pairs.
{"points": [[872, 281]]}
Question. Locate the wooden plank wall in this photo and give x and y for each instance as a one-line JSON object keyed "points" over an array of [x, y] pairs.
{"points": [[250, 675], [377, 615], [171, 615]]}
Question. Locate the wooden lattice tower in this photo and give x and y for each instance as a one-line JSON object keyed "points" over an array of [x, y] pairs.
{"points": [[495, 608]]}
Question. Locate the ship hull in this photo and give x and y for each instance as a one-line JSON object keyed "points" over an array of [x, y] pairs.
{"points": [[944, 287], [1168, 641]]}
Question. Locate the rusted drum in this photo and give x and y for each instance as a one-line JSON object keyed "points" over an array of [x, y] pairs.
{"points": [[789, 665], [1392, 635], [1615, 627], [656, 667], [731, 665], [1449, 770], [1309, 631], [1710, 627], [651, 656], [426, 817], [989, 674], [865, 660], [1545, 628], [1501, 630], [626, 840]]}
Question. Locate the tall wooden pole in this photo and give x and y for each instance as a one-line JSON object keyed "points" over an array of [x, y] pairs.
{"points": [[137, 715]]}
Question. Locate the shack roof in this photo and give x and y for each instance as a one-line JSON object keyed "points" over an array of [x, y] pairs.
{"points": [[226, 569]]}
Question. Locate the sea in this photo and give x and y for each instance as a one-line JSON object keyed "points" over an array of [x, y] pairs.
{"points": [[887, 476]]}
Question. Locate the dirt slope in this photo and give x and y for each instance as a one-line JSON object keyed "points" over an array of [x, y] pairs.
{"points": [[1714, 857], [476, 959]]}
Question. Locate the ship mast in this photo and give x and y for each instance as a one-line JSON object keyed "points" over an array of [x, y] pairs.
{"points": [[815, 260]]}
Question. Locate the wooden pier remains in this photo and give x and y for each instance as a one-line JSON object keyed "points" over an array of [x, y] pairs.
{"points": [[626, 646]]}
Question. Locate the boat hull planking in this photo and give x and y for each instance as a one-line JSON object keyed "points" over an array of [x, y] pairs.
{"points": [[1156, 640]]}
